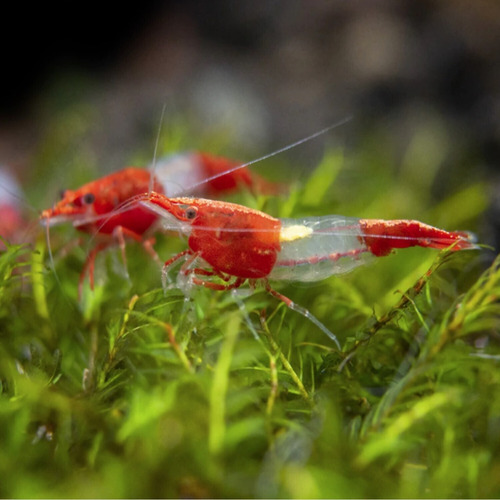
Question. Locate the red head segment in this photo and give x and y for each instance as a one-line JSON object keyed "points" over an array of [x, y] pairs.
{"points": [[90, 208]]}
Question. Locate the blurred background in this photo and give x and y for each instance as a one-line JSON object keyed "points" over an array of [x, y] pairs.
{"points": [[420, 78]]}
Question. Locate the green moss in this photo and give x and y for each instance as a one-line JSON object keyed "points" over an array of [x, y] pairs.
{"points": [[132, 392]]}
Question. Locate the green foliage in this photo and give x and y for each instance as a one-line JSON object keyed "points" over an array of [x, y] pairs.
{"points": [[136, 392]]}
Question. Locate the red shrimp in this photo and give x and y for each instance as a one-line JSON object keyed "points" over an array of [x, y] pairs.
{"points": [[230, 244], [12, 220], [91, 207]]}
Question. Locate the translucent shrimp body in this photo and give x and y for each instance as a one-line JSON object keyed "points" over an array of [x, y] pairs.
{"points": [[314, 248], [177, 171]]}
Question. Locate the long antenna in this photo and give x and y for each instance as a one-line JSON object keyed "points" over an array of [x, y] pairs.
{"points": [[155, 153], [274, 153]]}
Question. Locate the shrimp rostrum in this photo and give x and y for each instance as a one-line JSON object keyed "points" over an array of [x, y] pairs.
{"points": [[229, 244]]}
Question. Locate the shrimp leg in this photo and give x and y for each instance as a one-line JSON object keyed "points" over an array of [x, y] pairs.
{"points": [[89, 266], [302, 310], [238, 282], [119, 234]]}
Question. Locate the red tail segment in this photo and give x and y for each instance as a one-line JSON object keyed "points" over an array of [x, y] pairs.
{"points": [[382, 236], [217, 165]]}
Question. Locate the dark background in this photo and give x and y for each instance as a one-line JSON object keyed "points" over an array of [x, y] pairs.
{"points": [[312, 60], [274, 71]]}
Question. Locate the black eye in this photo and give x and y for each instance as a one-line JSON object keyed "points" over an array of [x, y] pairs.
{"points": [[191, 213], [88, 198], [62, 194]]}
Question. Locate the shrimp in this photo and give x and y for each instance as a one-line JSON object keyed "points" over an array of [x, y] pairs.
{"points": [[90, 208], [12, 220], [229, 244]]}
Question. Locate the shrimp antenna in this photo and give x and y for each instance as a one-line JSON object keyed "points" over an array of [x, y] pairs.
{"points": [[155, 153], [13, 194], [53, 265], [274, 153], [51, 257], [49, 251]]}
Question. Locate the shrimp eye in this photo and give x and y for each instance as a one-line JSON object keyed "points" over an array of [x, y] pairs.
{"points": [[191, 213], [88, 198], [62, 194]]}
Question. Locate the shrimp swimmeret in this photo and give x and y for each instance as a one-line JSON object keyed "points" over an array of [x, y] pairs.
{"points": [[230, 244]]}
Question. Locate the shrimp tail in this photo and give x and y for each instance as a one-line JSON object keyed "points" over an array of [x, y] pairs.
{"points": [[383, 236], [215, 168]]}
